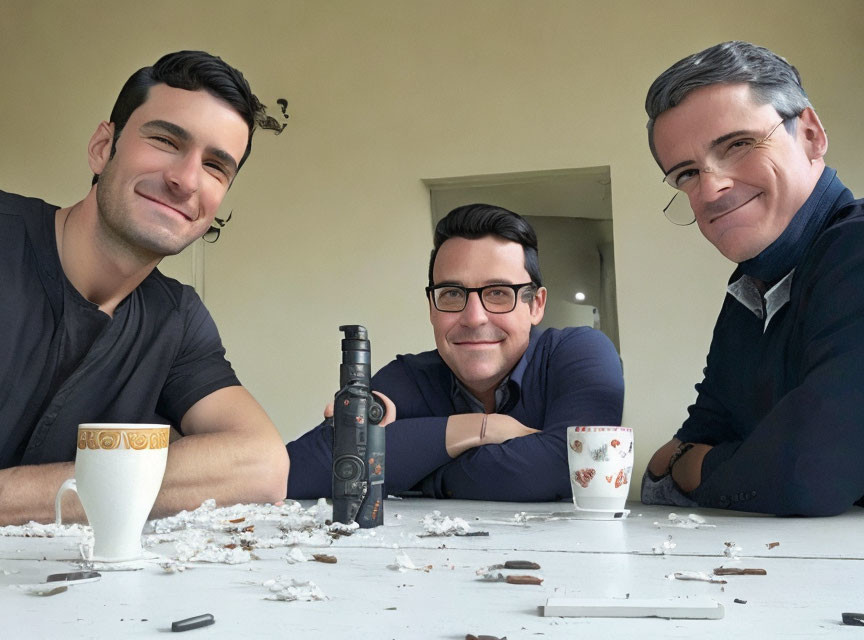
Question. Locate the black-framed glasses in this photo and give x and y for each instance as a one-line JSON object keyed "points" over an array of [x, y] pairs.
{"points": [[720, 160], [495, 298]]}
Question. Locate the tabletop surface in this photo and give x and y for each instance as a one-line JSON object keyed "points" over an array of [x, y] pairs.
{"points": [[252, 567]]}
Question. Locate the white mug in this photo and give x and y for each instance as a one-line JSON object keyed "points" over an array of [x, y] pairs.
{"points": [[601, 465], [118, 473]]}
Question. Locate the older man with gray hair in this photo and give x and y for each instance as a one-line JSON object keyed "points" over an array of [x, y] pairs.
{"points": [[777, 423]]}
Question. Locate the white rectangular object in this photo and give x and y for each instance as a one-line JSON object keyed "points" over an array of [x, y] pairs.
{"points": [[693, 609]]}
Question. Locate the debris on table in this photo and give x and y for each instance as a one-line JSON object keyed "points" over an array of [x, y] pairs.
{"points": [[854, 619], [497, 576], [436, 524], [699, 576], [294, 556], [403, 563], [516, 564], [771, 545], [665, 547], [691, 521], [471, 636], [36, 530], [288, 589], [173, 566], [731, 550], [731, 571], [42, 589], [323, 557], [739, 601]]}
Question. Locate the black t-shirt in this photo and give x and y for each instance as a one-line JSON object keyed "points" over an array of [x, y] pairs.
{"points": [[64, 362]]}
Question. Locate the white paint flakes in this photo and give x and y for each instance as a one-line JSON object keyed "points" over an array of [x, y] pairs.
{"points": [[664, 547], [690, 521], [37, 530], [436, 524], [288, 589], [731, 550], [294, 556], [700, 576]]}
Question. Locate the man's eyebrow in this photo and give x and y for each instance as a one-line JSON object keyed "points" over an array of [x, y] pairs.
{"points": [[181, 133], [168, 127], [714, 143]]}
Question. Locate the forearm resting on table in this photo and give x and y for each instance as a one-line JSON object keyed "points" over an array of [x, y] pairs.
{"points": [[465, 431], [687, 470], [229, 467]]}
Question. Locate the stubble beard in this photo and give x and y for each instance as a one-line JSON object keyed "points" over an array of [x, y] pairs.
{"points": [[119, 229]]}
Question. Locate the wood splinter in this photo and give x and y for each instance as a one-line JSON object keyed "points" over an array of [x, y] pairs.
{"points": [[730, 571], [523, 580]]}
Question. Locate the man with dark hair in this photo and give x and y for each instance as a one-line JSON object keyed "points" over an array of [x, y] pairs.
{"points": [[776, 426], [485, 415], [92, 332]]}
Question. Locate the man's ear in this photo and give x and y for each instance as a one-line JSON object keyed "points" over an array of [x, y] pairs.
{"points": [[538, 306], [812, 134], [99, 148]]}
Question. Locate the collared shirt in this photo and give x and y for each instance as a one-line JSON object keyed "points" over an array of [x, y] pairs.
{"points": [[467, 402], [746, 291]]}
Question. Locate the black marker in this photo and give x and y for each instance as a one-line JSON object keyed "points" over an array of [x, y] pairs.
{"points": [[205, 619]]}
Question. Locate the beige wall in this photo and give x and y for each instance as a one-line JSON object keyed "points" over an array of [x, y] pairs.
{"points": [[331, 220]]}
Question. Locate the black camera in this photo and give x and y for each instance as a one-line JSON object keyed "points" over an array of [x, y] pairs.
{"points": [[358, 441]]}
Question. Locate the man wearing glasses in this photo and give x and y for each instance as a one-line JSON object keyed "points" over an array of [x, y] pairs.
{"points": [[484, 416], [776, 427]]}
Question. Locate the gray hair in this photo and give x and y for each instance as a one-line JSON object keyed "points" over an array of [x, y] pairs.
{"points": [[771, 78]]}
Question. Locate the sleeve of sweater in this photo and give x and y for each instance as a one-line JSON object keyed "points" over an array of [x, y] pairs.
{"points": [[573, 377]]}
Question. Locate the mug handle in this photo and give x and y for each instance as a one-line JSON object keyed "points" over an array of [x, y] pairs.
{"points": [[68, 485]]}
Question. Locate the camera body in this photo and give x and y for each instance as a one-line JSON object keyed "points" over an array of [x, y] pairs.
{"points": [[358, 440]]}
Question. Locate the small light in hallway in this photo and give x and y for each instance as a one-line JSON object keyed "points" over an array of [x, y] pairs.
{"points": [[579, 297]]}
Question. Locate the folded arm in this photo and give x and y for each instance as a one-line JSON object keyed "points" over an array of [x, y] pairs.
{"points": [[231, 452]]}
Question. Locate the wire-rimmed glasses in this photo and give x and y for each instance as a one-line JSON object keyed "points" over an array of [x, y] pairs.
{"points": [[723, 155]]}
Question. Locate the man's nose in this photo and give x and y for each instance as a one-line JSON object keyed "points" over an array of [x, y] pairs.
{"points": [[473, 314], [183, 174], [713, 183]]}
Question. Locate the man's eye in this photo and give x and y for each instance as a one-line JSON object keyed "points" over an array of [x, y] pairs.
{"points": [[497, 293], [450, 293], [217, 167], [164, 141], [739, 147], [685, 176]]}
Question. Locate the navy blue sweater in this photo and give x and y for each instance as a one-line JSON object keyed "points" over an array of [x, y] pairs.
{"points": [[564, 378], [783, 406]]}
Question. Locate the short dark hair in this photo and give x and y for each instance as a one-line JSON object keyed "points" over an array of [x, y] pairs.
{"points": [[771, 78], [193, 71], [474, 221]]}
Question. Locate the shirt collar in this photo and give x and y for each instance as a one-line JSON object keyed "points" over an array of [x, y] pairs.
{"points": [[507, 393], [745, 291]]}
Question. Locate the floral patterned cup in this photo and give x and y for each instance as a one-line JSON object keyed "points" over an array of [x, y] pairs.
{"points": [[118, 473], [601, 463]]}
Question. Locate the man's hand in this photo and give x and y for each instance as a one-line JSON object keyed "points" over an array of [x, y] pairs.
{"points": [[687, 471], [389, 409], [659, 464], [464, 431]]}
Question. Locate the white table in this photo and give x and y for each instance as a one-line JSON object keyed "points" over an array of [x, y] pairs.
{"points": [[815, 573]]}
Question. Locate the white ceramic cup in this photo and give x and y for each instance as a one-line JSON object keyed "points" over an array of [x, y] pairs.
{"points": [[601, 464], [118, 473]]}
